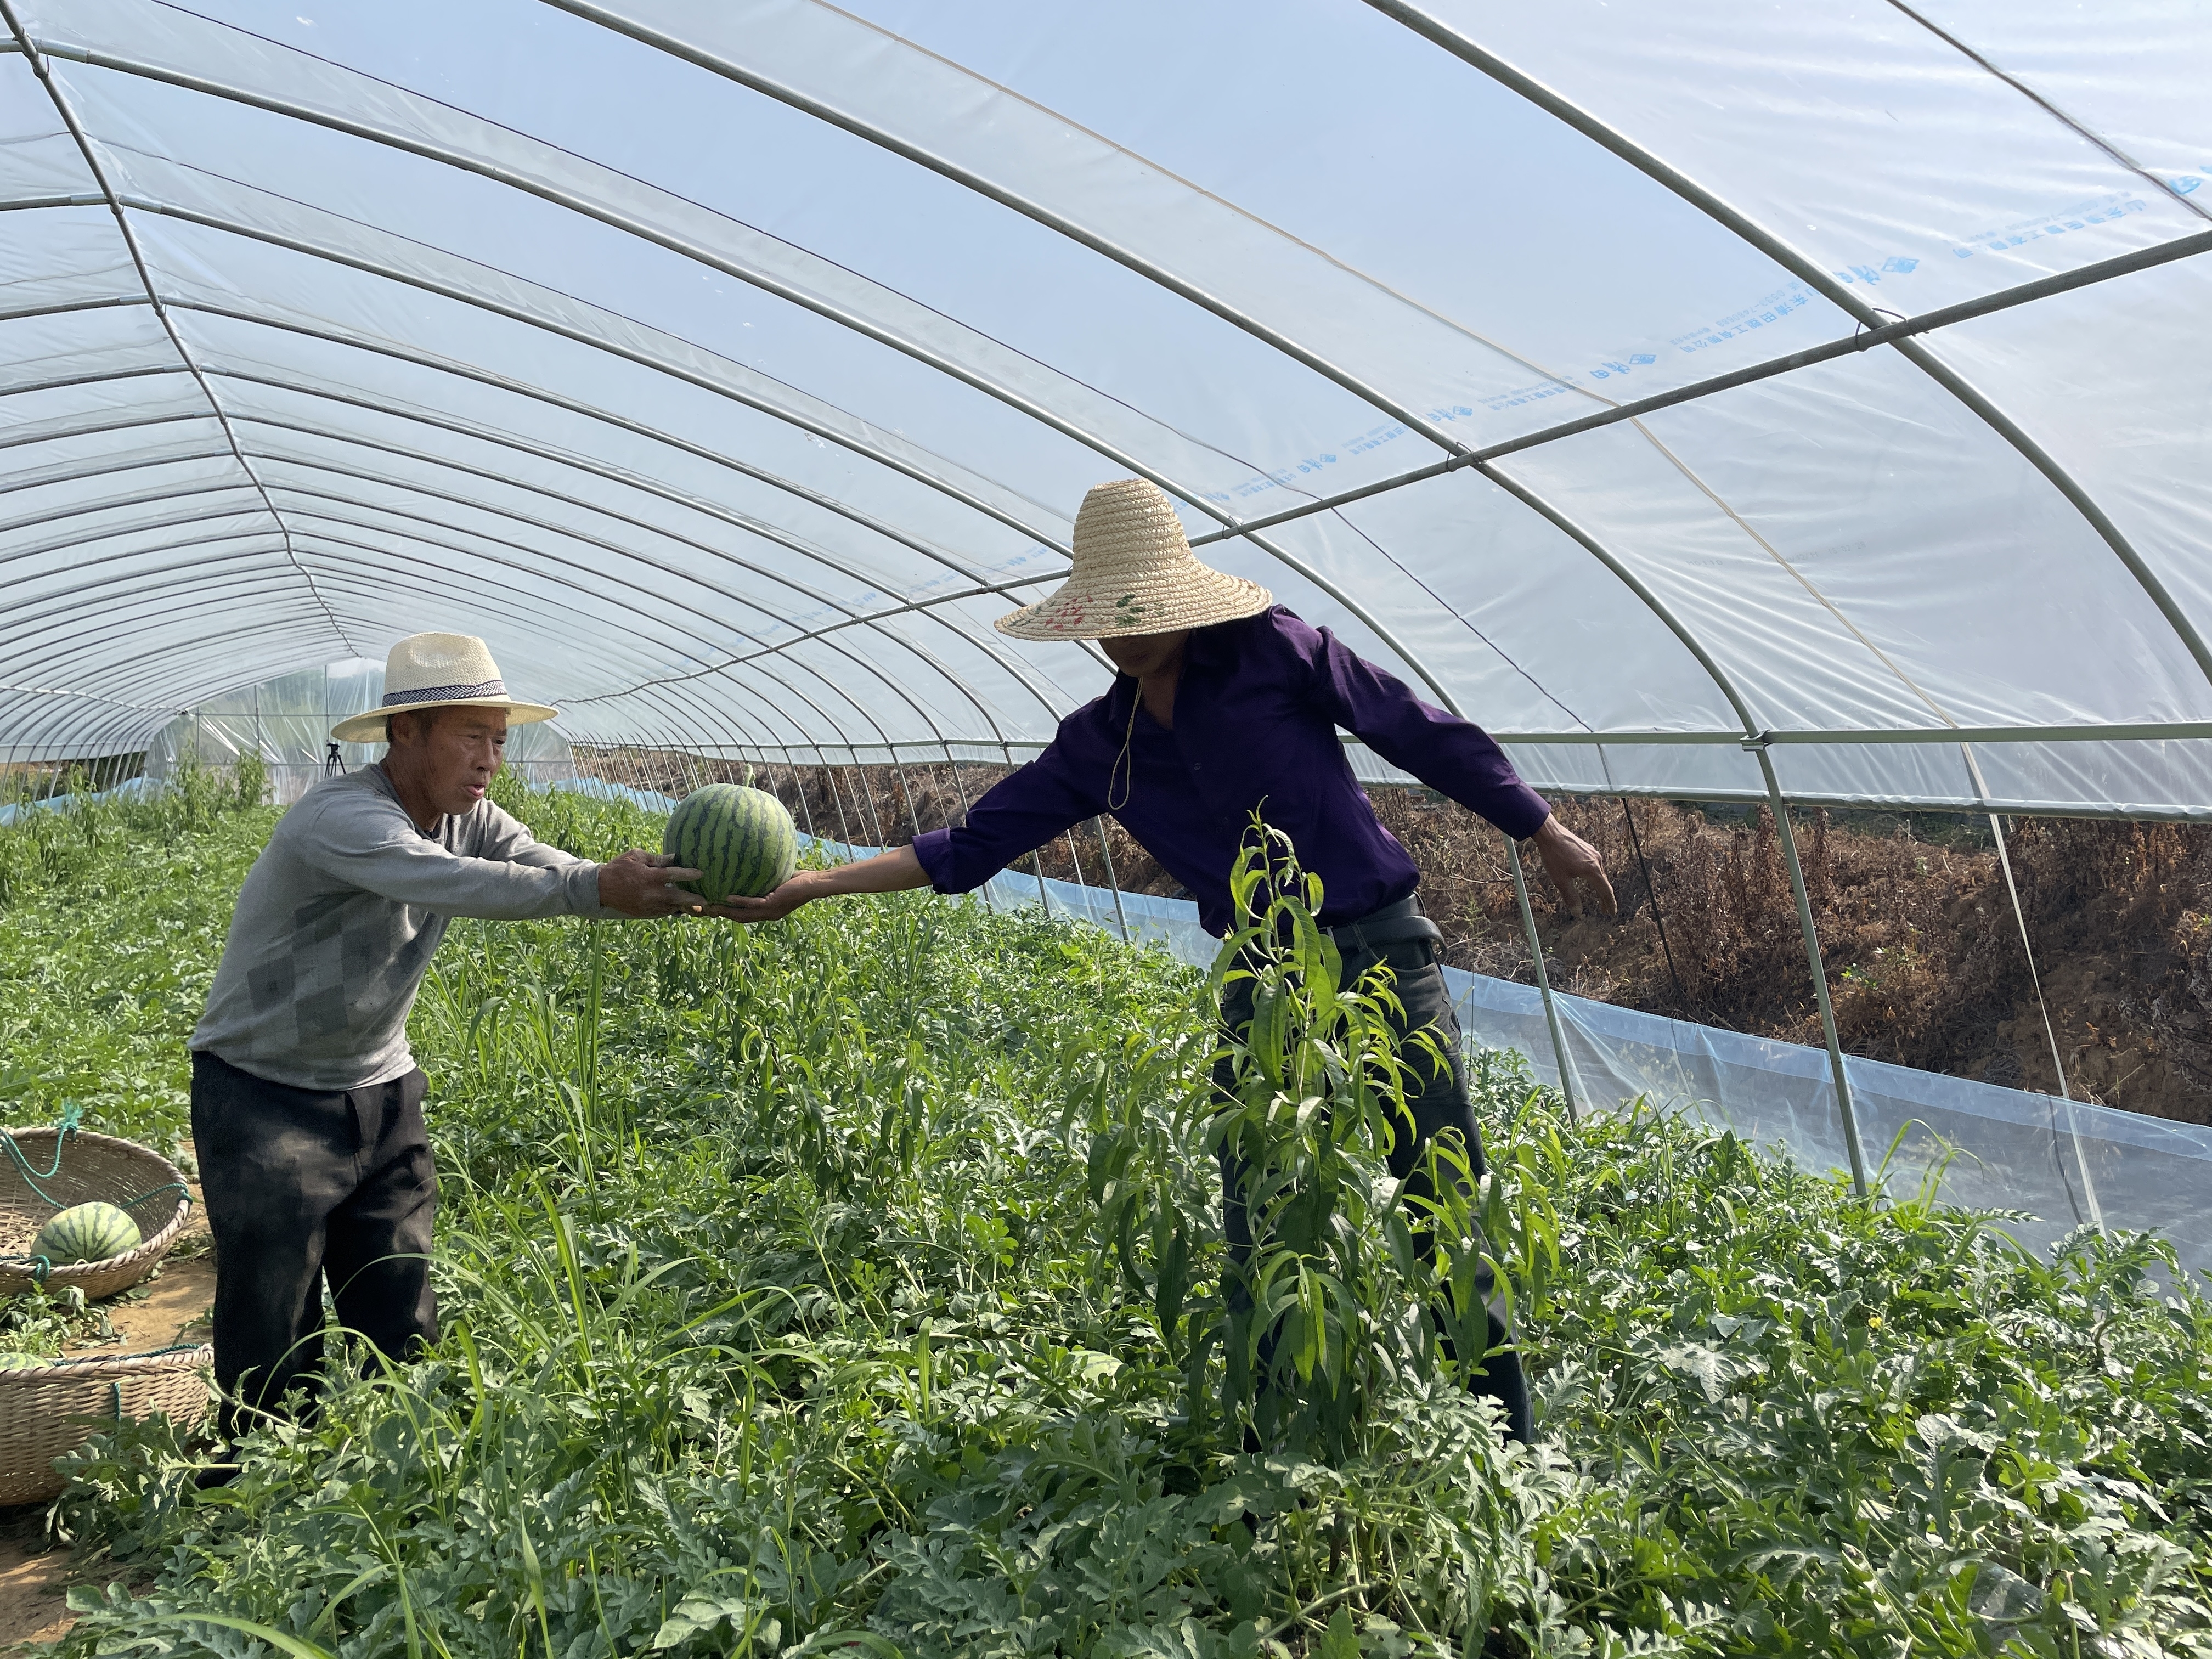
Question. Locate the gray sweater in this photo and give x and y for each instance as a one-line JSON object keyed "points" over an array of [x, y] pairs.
{"points": [[335, 926]]}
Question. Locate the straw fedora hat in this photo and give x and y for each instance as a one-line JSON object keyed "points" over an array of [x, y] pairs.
{"points": [[1134, 573], [433, 670]]}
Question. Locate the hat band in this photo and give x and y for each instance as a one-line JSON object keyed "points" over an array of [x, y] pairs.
{"points": [[475, 693]]}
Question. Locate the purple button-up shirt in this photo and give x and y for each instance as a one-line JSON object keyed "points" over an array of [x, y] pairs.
{"points": [[1256, 709]]}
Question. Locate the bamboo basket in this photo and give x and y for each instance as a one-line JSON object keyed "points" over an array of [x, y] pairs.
{"points": [[93, 1167], [50, 1409]]}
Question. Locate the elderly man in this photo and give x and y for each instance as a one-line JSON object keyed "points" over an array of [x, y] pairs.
{"points": [[1227, 702], [306, 1105]]}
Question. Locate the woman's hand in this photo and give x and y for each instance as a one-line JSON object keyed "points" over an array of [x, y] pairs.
{"points": [[886, 873], [1574, 867], [774, 905]]}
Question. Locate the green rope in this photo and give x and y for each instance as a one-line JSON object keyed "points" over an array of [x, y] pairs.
{"points": [[72, 1115], [165, 1186]]}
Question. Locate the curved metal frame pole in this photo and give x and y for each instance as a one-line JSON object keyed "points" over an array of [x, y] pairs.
{"points": [[1865, 340], [927, 608], [1913, 349], [67, 112], [1106, 852], [156, 713], [484, 377], [515, 179], [664, 686], [883, 138], [62, 382], [1012, 664], [100, 466], [1543, 980], [1818, 966], [492, 508], [737, 393]]}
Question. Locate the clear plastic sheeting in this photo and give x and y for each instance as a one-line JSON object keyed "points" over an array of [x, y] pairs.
{"points": [[287, 722], [730, 367], [1981, 1145]]}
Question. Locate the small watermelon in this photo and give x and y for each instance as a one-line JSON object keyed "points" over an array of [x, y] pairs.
{"points": [[87, 1232], [742, 841], [22, 1362]]}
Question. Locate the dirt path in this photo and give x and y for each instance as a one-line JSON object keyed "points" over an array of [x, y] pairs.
{"points": [[33, 1580], [169, 1309]]}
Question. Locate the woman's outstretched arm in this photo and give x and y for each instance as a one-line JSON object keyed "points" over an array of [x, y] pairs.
{"points": [[887, 873]]}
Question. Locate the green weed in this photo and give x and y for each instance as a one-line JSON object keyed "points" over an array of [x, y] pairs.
{"points": [[845, 1283]]}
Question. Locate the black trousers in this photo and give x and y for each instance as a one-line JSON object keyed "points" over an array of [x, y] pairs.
{"points": [[1441, 1104], [303, 1186]]}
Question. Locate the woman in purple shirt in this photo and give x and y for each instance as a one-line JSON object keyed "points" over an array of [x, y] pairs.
{"points": [[1226, 702]]}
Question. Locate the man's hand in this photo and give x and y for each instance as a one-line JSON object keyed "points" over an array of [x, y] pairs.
{"points": [[641, 883], [1574, 867]]}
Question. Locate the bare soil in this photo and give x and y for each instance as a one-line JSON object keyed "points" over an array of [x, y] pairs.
{"points": [[33, 1579], [1922, 951]]}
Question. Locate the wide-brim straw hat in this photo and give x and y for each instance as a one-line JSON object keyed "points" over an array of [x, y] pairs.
{"points": [[438, 670], [1134, 573]]}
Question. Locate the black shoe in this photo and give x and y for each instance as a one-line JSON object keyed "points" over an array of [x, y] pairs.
{"points": [[215, 1476]]}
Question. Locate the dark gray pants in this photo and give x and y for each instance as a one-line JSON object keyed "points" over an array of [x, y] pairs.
{"points": [[1440, 1103], [301, 1187]]}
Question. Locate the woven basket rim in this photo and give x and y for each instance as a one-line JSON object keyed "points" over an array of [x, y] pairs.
{"points": [[105, 1367], [151, 1248]]}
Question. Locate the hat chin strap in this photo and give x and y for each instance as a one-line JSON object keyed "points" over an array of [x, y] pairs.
{"points": [[1129, 782]]}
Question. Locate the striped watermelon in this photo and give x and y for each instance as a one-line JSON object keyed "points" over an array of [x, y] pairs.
{"points": [[87, 1232], [23, 1362], [741, 839]]}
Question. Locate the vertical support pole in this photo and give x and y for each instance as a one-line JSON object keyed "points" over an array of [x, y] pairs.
{"points": [[1043, 897], [1812, 960], [1543, 982], [865, 786], [960, 788], [2050, 1032], [1075, 862], [830, 782], [799, 788], [1112, 881], [912, 812]]}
